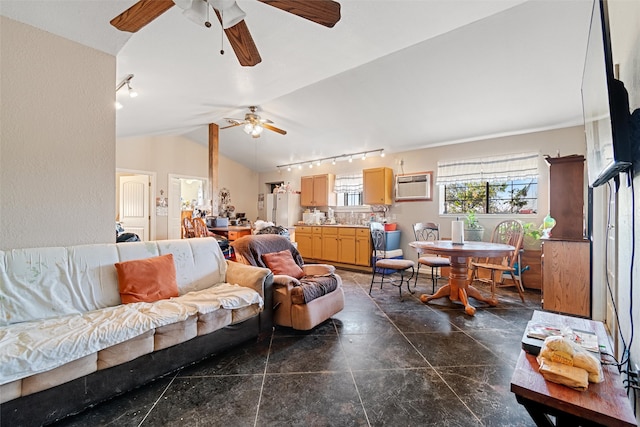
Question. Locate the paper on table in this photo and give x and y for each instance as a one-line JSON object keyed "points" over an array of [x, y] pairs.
{"points": [[457, 232]]}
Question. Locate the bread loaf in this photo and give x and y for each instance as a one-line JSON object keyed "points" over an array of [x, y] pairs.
{"points": [[558, 349], [576, 378]]}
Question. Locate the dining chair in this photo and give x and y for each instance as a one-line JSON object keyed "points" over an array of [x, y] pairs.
{"points": [[386, 266], [188, 230], [508, 232], [200, 228], [425, 231]]}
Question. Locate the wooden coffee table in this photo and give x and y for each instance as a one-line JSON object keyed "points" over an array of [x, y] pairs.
{"points": [[459, 287], [605, 403]]}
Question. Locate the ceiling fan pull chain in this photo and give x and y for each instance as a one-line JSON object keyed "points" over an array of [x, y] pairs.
{"points": [[207, 23], [221, 33]]}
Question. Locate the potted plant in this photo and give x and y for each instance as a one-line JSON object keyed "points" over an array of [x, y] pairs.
{"points": [[532, 235], [473, 231]]}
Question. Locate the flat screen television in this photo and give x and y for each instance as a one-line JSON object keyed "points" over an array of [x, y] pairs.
{"points": [[605, 104]]}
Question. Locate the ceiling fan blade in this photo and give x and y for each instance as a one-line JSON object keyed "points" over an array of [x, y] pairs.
{"points": [[273, 128], [323, 12], [242, 43], [140, 14], [231, 126]]}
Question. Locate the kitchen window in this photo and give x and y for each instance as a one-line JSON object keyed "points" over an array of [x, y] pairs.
{"points": [[349, 189]]}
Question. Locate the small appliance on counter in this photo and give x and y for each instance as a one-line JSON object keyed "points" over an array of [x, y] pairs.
{"points": [[313, 218]]}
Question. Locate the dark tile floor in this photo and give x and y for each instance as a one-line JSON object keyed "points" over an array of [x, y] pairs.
{"points": [[383, 360]]}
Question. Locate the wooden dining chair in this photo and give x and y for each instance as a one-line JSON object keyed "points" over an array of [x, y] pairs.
{"points": [[386, 266], [511, 233], [200, 228], [187, 228], [425, 231]]}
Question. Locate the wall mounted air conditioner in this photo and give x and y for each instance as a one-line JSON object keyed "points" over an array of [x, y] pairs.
{"points": [[414, 186]]}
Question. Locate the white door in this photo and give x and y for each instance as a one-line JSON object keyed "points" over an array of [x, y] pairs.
{"points": [[175, 210], [134, 205]]}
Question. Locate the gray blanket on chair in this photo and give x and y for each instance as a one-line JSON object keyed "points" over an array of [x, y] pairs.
{"points": [[251, 249]]}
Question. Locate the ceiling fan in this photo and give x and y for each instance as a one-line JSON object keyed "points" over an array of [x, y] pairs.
{"points": [[253, 124], [231, 17]]}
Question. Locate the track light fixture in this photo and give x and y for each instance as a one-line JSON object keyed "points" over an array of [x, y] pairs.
{"points": [[132, 92], [334, 159]]}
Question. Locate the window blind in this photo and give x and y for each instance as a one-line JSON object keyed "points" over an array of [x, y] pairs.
{"points": [[488, 169], [350, 184]]}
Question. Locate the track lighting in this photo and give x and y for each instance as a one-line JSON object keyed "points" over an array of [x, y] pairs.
{"points": [[132, 92], [334, 159]]}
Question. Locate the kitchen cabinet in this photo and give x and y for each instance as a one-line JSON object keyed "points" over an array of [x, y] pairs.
{"points": [[316, 243], [347, 245], [330, 244], [378, 186], [317, 190], [566, 282], [304, 239], [335, 244], [363, 247], [339, 244]]}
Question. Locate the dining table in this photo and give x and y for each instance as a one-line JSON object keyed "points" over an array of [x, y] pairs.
{"points": [[459, 287]]}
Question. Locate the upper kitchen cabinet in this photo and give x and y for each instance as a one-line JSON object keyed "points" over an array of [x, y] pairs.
{"points": [[317, 190], [378, 186]]}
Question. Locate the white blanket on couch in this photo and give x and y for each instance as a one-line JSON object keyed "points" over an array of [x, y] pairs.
{"points": [[32, 347]]}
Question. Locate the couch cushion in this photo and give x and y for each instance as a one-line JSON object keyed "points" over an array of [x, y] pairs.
{"points": [[199, 262], [147, 280], [126, 351], [313, 287], [60, 375], [282, 263], [35, 285]]}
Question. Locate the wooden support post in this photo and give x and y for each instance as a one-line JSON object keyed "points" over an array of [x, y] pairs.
{"points": [[213, 167]]}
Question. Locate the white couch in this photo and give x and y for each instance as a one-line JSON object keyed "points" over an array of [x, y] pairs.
{"points": [[67, 342]]}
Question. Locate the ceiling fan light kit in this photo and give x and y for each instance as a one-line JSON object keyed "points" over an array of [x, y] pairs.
{"points": [[253, 124]]}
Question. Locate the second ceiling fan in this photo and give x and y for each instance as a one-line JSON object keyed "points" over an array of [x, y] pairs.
{"points": [[254, 124], [230, 16]]}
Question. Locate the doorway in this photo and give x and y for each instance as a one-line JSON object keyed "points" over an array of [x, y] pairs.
{"points": [[186, 194], [134, 192]]}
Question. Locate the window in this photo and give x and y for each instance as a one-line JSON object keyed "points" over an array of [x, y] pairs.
{"points": [[505, 184], [349, 189], [507, 197]]}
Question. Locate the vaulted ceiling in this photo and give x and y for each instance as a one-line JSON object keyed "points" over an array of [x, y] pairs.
{"points": [[392, 74]]}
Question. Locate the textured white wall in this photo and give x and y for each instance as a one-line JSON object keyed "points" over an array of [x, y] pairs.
{"points": [[181, 156], [57, 140]]}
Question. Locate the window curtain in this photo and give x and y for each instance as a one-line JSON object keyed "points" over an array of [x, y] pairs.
{"points": [[488, 169], [350, 184]]}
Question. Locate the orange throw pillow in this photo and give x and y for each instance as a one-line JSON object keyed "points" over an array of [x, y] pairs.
{"points": [[147, 280], [283, 263]]}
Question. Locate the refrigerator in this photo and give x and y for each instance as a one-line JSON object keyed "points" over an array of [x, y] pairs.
{"points": [[282, 209]]}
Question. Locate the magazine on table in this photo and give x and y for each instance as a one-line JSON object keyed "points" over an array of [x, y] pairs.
{"points": [[536, 333]]}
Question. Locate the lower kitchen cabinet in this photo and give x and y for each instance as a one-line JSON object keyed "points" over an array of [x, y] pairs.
{"points": [[342, 245], [304, 239], [363, 247]]}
